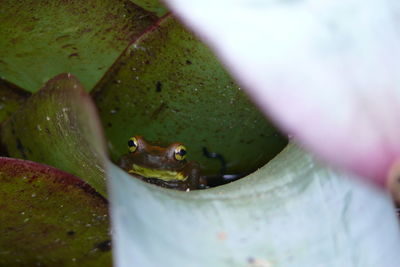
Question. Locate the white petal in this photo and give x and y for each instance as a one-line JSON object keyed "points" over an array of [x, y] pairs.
{"points": [[327, 71]]}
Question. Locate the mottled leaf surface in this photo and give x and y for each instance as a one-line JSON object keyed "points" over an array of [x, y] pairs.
{"points": [[40, 39], [50, 218], [169, 87], [11, 98], [59, 126], [292, 212]]}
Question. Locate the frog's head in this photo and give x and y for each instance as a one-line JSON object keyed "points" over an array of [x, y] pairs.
{"points": [[150, 161]]}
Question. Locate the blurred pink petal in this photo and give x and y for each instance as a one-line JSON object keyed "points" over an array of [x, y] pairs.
{"points": [[327, 71]]}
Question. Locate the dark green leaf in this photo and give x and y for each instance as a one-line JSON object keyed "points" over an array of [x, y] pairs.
{"points": [[169, 87], [50, 218], [11, 97], [40, 39], [154, 6], [59, 126]]}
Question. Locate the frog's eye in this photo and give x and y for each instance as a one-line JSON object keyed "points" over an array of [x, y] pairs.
{"points": [[132, 144], [180, 152]]}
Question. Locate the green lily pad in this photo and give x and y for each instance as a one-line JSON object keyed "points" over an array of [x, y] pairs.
{"points": [[59, 126], [11, 98], [154, 6], [291, 212], [169, 87], [42, 39], [50, 218]]}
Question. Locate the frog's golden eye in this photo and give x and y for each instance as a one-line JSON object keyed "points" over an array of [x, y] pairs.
{"points": [[180, 152], [132, 144]]}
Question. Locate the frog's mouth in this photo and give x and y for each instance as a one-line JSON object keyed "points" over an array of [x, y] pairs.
{"points": [[164, 175]]}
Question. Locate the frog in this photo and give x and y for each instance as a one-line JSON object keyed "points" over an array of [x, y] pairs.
{"points": [[162, 166]]}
